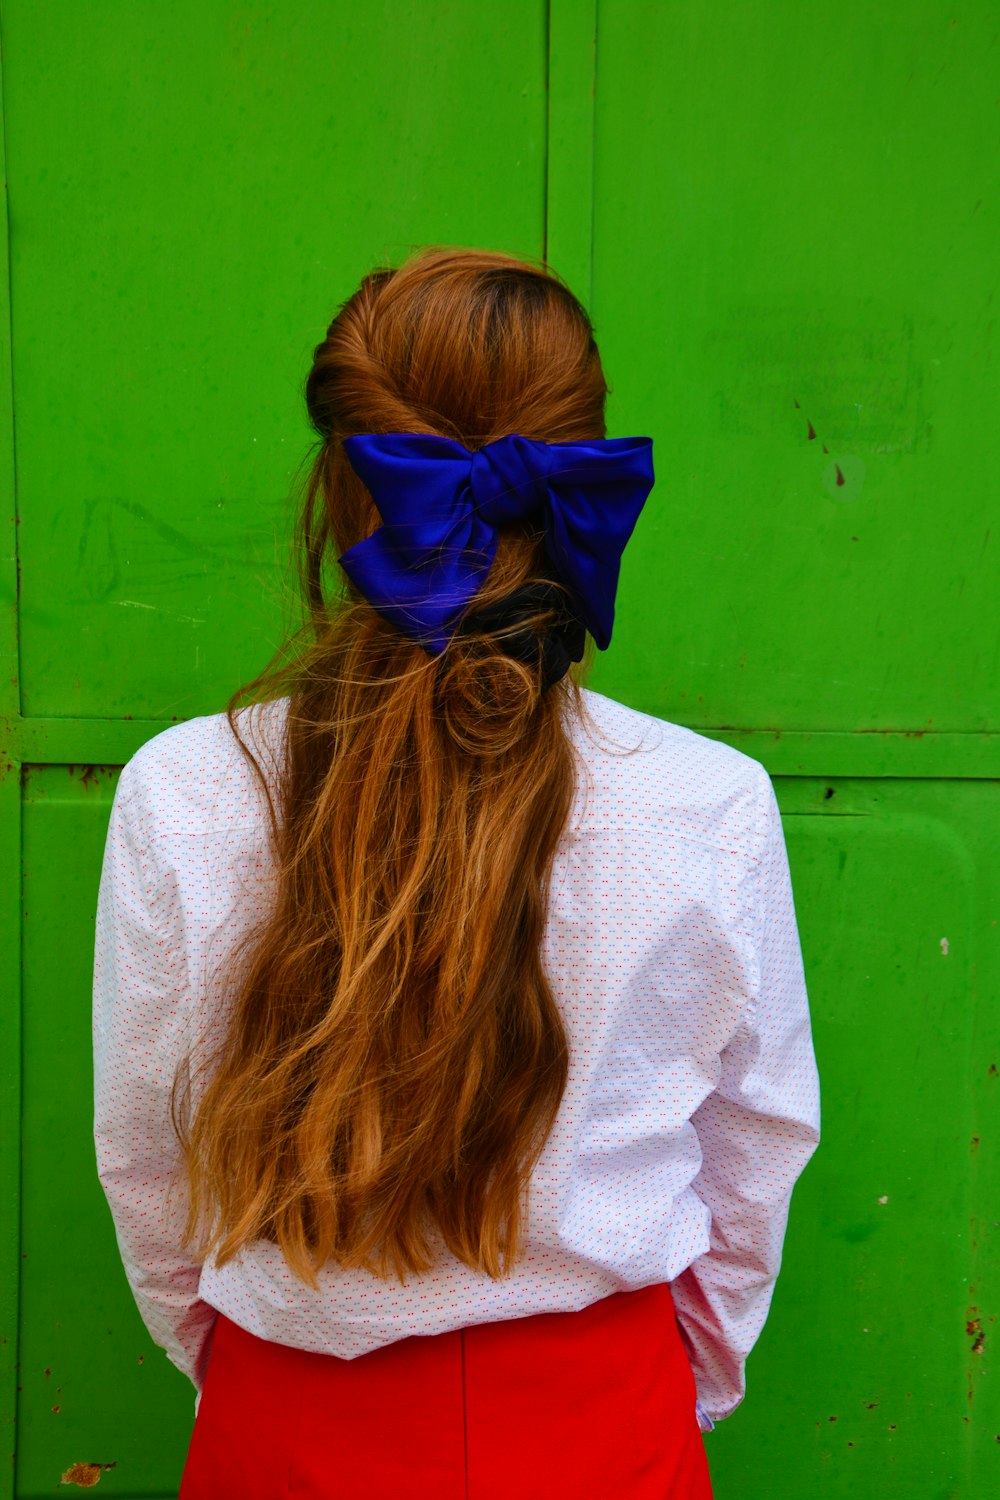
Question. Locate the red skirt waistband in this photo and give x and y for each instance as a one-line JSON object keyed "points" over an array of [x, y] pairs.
{"points": [[567, 1406]]}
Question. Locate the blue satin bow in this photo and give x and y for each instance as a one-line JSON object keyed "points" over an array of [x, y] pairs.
{"points": [[441, 505]]}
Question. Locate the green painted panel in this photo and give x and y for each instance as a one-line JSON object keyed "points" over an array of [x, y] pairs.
{"points": [[876, 1372], [194, 188], [873, 1375], [796, 220], [93, 1386]]}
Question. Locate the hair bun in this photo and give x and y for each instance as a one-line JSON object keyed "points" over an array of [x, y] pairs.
{"points": [[535, 619], [502, 658], [486, 699]]}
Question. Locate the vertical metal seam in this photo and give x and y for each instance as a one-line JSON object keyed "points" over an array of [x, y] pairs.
{"points": [[10, 688], [11, 1073], [570, 142], [593, 156], [548, 130], [11, 802]]}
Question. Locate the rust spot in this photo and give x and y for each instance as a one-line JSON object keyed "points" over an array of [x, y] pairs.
{"points": [[974, 1330], [831, 1419], [991, 1071], [88, 773], [57, 1410], [975, 1143], [871, 1405], [85, 1475], [811, 434], [840, 474]]}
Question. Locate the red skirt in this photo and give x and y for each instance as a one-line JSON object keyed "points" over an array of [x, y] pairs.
{"points": [[590, 1405]]}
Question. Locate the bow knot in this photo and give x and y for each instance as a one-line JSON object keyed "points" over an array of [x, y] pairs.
{"points": [[508, 480], [441, 506]]}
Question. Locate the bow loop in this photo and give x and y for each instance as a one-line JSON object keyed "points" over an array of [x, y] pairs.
{"points": [[441, 505]]}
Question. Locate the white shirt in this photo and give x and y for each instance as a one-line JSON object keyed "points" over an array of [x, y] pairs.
{"points": [[692, 1100]]}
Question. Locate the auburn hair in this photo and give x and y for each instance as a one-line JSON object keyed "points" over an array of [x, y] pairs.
{"points": [[392, 1058]]}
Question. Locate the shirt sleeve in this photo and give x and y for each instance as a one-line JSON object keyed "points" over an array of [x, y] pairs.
{"points": [[140, 1023], [757, 1130]]}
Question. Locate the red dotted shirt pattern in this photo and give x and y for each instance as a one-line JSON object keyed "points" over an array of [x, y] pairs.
{"points": [[692, 1104]]}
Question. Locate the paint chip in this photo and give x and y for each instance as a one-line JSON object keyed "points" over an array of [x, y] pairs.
{"points": [[85, 1476], [884, 1198], [944, 947]]}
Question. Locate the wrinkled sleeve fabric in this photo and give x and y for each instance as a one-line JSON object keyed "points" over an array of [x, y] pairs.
{"points": [[142, 991], [757, 1130]]}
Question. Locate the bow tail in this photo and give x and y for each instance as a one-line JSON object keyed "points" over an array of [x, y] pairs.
{"points": [[421, 595]]}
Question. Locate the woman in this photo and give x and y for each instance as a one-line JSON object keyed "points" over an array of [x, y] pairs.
{"points": [[453, 1055]]}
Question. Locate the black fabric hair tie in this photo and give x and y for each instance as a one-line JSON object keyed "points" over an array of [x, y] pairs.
{"points": [[561, 642]]}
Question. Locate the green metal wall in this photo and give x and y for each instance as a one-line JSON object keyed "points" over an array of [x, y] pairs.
{"points": [[784, 218]]}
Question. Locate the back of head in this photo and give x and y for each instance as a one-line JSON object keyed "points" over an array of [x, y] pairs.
{"points": [[394, 1058], [467, 344]]}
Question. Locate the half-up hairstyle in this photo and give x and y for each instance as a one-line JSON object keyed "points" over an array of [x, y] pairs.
{"points": [[393, 1058]]}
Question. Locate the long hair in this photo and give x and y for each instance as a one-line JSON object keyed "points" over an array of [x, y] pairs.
{"points": [[393, 1058]]}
